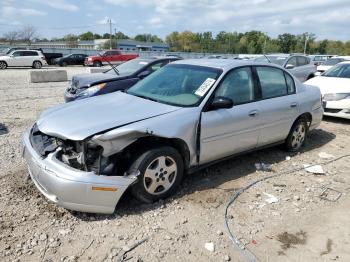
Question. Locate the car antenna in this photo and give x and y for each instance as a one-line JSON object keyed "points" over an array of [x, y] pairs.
{"points": [[112, 66]]}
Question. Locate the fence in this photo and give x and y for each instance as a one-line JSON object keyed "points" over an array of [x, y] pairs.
{"points": [[143, 54]]}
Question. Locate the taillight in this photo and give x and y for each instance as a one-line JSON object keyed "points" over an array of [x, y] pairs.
{"points": [[43, 58]]}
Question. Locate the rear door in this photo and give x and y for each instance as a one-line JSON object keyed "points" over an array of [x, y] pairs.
{"points": [[278, 104], [30, 57], [228, 131], [306, 67]]}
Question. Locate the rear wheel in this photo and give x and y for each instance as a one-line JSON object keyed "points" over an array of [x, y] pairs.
{"points": [[64, 63], [3, 65], [97, 64], [297, 135], [161, 171], [37, 64]]}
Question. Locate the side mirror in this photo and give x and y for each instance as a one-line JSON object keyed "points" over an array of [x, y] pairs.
{"points": [[289, 66], [143, 74], [221, 102]]}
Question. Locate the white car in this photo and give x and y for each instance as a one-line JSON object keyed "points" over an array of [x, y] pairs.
{"points": [[32, 58], [334, 85]]}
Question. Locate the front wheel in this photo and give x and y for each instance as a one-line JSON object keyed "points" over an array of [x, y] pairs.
{"points": [[297, 135], [37, 64], [161, 172]]}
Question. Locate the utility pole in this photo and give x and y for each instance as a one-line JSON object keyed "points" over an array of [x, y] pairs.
{"points": [[110, 33], [306, 39], [265, 42]]}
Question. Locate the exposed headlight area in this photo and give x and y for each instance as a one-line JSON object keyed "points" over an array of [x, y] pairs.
{"points": [[336, 96], [92, 90], [81, 155], [43, 144]]}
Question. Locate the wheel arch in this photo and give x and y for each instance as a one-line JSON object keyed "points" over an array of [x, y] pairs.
{"points": [[149, 142]]}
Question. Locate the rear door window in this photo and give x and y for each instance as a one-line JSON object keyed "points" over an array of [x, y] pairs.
{"points": [[272, 82], [30, 53], [302, 61]]}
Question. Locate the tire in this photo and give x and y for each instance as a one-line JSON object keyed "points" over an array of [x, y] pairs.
{"points": [[297, 135], [161, 171], [309, 77], [97, 64], [37, 64], [64, 64], [3, 65]]}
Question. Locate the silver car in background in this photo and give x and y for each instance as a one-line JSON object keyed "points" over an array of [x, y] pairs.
{"points": [[301, 66], [84, 155]]}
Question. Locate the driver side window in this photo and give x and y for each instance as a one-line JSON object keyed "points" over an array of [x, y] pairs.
{"points": [[292, 61], [238, 85]]}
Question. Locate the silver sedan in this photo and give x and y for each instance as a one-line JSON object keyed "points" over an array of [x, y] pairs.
{"points": [[191, 113]]}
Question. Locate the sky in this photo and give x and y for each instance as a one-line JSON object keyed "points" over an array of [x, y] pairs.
{"points": [[55, 18]]}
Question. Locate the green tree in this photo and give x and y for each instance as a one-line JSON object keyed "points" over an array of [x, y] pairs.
{"points": [[86, 36], [287, 42]]}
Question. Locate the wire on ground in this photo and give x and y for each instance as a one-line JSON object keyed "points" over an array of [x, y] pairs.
{"points": [[249, 256]]}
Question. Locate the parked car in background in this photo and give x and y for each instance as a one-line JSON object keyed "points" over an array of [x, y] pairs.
{"points": [[23, 58], [329, 64], [71, 59], [319, 59], [299, 65], [186, 115], [335, 88], [49, 57], [115, 79], [109, 56]]}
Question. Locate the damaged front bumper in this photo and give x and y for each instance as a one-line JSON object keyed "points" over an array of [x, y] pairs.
{"points": [[71, 188]]}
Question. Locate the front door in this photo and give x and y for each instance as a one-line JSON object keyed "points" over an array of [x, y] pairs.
{"points": [[228, 131]]}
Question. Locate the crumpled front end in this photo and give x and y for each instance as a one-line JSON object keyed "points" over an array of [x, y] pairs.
{"points": [[74, 175]]}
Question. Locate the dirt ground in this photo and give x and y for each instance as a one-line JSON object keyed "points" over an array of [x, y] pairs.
{"points": [[298, 226]]}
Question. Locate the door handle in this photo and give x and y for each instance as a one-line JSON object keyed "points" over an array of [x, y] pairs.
{"points": [[253, 113], [293, 104]]}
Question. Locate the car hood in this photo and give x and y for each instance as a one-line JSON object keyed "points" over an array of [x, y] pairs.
{"points": [[329, 85], [3, 57], [83, 118], [84, 80]]}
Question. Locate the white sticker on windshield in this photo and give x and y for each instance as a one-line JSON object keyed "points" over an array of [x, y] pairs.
{"points": [[205, 87]]}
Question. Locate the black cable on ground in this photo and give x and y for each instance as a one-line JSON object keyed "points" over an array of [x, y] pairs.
{"points": [[249, 256]]}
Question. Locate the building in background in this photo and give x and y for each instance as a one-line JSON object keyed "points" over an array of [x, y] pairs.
{"points": [[132, 45]]}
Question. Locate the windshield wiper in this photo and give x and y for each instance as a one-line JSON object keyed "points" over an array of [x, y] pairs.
{"points": [[112, 66]]}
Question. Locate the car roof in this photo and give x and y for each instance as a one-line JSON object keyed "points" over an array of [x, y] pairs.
{"points": [[224, 64], [26, 50], [345, 62]]}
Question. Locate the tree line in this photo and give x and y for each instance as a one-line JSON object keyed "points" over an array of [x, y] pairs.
{"points": [[252, 42]]}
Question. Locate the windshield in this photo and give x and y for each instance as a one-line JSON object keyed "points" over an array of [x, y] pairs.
{"points": [[279, 60], [341, 70], [129, 67], [333, 61], [175, 84]]}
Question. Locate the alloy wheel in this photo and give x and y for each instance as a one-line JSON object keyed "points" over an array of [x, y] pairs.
{"points": [[160, 175], [298, 136]]}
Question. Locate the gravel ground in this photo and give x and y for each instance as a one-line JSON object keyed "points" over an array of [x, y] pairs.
{"points": [[298, 226]]}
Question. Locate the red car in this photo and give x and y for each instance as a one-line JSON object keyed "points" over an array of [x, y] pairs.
{"points": [[111, 56]]}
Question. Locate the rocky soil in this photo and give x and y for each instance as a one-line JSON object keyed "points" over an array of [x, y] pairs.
{"points": [[281, 219]]}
